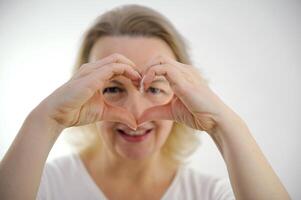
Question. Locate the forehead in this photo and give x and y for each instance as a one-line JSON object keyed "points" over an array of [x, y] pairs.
{"points": [[138, 49]]}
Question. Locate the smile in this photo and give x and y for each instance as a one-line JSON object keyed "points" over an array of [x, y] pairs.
{"points": [[134, 136]]}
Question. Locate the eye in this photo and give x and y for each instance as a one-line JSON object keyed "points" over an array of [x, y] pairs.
{"points": [[155, 90], [112, 90]]}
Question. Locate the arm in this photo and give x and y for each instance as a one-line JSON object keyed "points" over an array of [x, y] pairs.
{"points": [[250, 174], [75, 103], [22, 166], [198, 107]]}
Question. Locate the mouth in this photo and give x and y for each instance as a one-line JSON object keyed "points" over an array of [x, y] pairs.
{"points": [[134, 136]]}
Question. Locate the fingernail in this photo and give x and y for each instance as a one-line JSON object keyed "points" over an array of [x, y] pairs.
{"points": [[134, 128], [141, 89]]}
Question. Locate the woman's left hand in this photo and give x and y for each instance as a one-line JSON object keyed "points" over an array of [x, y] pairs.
{"points": [[193, 104]]}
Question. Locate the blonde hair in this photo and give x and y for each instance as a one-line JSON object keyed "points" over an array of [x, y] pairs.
{"points": [[136, 20]]}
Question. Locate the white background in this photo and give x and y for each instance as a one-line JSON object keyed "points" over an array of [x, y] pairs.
{"points": [[249, 50]]}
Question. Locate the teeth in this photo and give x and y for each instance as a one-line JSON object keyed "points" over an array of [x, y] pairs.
{"points": [[135, 132]]}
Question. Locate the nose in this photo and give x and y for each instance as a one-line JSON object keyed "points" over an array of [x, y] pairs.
{"points": [[137, 103]]}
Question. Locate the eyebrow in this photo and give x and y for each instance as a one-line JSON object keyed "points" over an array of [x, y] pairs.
{"points": [[116, 82], [162, 80]]}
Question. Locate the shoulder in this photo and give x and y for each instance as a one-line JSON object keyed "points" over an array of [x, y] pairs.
{"points": [[60, 176], [60, 171], [192, 175], [197, 185], [64, 165]]}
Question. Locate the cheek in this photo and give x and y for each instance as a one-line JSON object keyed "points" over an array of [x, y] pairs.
{"points": [[164, 129], [115, 99], [160, 99], [105, 130]]}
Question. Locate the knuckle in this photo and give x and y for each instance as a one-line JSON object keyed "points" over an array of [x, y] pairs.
{"points": [[85, 65], [114, 66], [116, 57], [118, 69], [160, 58]]}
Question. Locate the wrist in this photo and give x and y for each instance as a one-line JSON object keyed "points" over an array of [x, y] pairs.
{"points": [[39, 116], [229, 129]]}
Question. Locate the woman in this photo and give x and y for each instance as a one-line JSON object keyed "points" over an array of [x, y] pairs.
{"points": [[134, 86]]}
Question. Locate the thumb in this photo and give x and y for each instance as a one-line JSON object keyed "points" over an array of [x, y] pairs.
{"points": [[118, 114], [162, 112]]}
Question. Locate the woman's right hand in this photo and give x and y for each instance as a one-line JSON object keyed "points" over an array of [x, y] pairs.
{"points": [[79, 102]]}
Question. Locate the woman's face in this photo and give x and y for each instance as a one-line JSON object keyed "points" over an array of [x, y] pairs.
{"points": [[120, 91]]}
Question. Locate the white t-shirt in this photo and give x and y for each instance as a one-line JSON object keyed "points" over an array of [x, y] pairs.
{"points": [[67, 178]]}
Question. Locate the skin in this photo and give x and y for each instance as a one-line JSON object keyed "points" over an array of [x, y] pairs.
{"points": [[78, 102], [132, 166]]}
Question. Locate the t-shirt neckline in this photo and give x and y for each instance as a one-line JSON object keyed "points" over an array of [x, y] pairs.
{"points": [[88, 179], [100, 195]]}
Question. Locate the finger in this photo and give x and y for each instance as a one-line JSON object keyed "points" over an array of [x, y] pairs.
{"points": [[162, 112], [96, 80], [158, 60], [117, 69], [172, 74], [113, 58], [118, 114], [185, 69], [178, 82]]}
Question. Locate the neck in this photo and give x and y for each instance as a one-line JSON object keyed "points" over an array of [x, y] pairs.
{"points": [[107, 166]]}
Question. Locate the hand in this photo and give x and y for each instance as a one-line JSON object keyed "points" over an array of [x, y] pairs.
{"points": [[193, 104], [78, 101]]}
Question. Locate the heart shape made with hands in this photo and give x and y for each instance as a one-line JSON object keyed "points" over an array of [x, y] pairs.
{"points": [[154, 95]]}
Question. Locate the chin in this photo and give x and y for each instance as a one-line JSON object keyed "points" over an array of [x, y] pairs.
{"points": [[135, 154]]}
